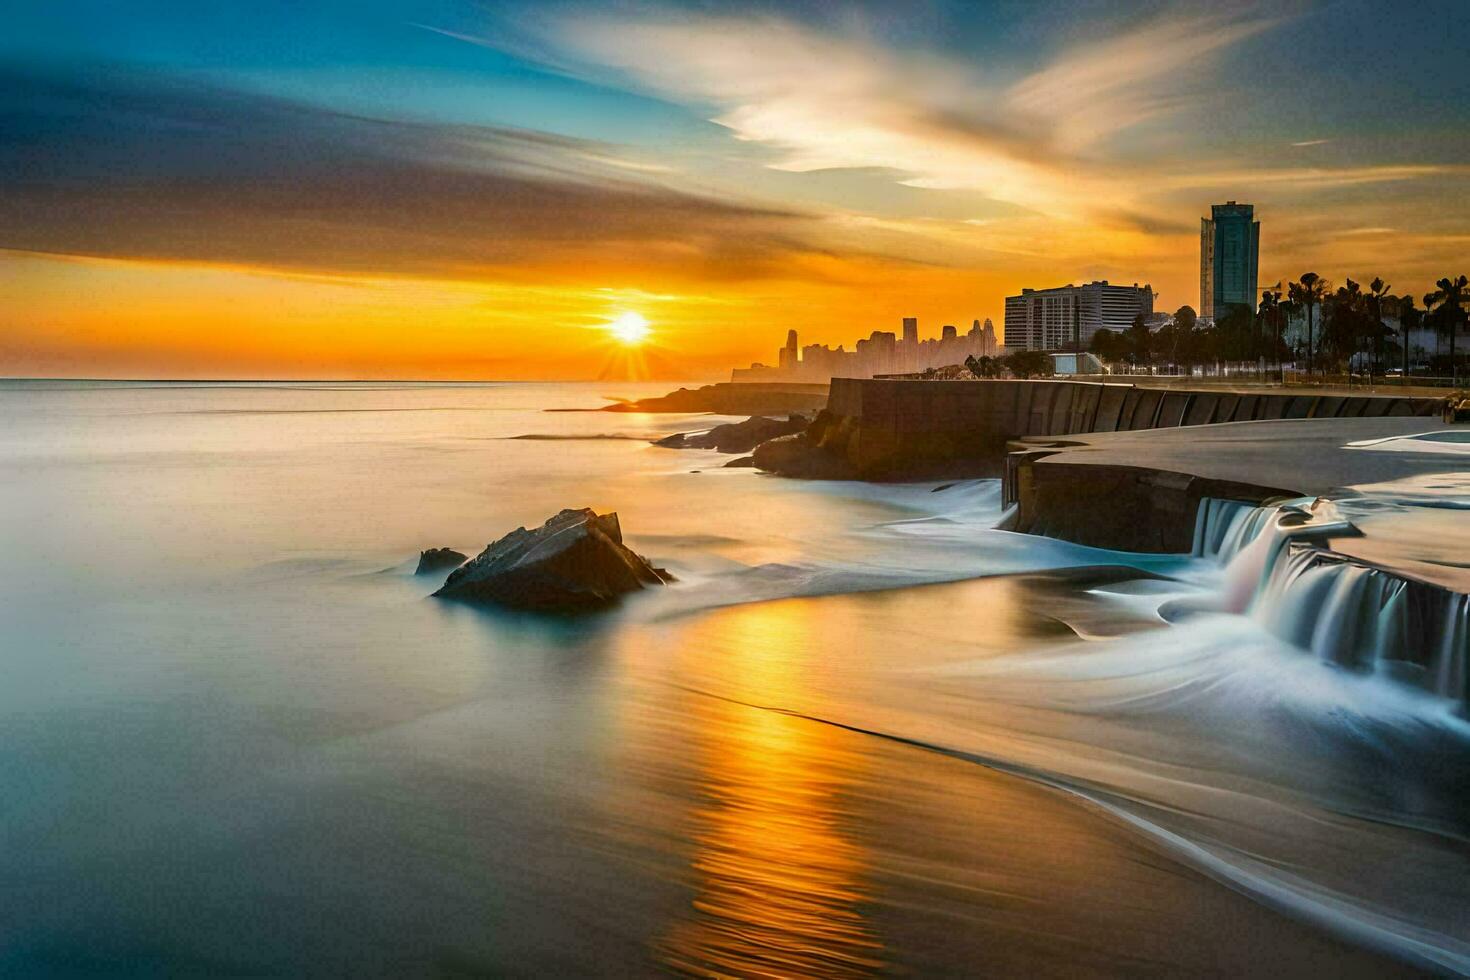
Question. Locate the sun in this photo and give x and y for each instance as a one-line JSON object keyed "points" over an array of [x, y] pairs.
{"points": [[630, 329]]}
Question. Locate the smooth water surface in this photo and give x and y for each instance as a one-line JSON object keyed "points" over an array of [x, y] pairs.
{"points": [[865, 732]]}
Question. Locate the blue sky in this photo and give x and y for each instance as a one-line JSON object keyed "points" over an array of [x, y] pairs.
{"points": [[843, 149]]}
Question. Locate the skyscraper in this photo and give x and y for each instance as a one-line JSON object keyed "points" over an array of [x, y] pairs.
{"points": [[1229, 257], [908, 351], [788, 356], [911, 330]]}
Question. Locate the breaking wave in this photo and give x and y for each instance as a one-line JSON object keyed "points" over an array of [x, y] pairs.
{"points": [[1299, 736]]}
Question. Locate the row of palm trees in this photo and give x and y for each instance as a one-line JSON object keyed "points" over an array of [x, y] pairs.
{"points": [[1353, 321]]}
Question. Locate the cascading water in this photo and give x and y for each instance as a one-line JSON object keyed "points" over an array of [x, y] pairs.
{"points": [[1342, 610], [1223, 527]]}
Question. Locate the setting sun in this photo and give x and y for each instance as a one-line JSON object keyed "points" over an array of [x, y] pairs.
{"points": [[630, 328]]}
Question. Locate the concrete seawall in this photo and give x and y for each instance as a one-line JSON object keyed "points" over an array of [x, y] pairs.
{"points": [[886, 428]]}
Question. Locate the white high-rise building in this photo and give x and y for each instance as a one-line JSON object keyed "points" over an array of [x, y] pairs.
{"points": [[1045, 319]]}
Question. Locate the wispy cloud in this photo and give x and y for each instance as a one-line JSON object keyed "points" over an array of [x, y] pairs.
{"points": [[1311, 142], [1107, 86], [826, 100], [1312, 178]]}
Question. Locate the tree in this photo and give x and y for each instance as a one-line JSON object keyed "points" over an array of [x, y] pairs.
{"points": [[984, 366], [1109, 346], [1139, 341], [1343, 326], [1233, 334], [1181, 335], [1377, 296], [1308, 293], [1271, 314], [1448, 301], [1431, 316], [1409, 318], [1029, 364]]}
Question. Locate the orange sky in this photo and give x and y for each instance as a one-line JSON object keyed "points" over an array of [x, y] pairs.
{"points": [[479, 199]]}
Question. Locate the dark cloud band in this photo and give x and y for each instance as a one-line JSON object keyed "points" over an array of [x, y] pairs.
{"points": [[129, 164]]}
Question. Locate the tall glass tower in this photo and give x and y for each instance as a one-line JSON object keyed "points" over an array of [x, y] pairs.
{"points": [[1229, 257]]}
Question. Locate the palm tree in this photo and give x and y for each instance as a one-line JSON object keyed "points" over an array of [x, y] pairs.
{"points": [[1377, 293], [1409, 318], [1306, 294], [1270, 314], [1449, 301], [1432, 318], [1342, 325]]}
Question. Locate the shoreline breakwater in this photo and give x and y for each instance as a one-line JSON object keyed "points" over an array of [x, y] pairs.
{"points": [[897, 429]]}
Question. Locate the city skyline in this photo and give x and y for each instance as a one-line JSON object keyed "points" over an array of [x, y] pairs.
{"points": [[464, 190], [881, 352]]}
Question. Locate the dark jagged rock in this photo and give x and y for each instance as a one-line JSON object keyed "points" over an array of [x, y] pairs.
{"points": [[742, 461], [438, 560], [737, 437], [800, 456], [733, 399], [575, 561]]}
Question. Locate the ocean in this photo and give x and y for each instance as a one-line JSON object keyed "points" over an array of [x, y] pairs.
{"points": [[864, 732]]}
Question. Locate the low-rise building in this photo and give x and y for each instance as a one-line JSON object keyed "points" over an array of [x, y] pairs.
{"points": [[1058, 318]]}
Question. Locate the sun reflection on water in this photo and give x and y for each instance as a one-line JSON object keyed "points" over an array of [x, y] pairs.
{"points": [[780, 882]]}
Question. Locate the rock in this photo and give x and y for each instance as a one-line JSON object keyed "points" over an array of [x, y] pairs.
{"points": [[733, 399], [738, 437], [575, 561], [438, 560], [742, 461], [798, 456], [675, 441]]}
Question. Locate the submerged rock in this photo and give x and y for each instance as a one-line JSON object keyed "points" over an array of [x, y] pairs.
{"points": [[438, 560], [575, 561], [737, 437], [801, 456]]}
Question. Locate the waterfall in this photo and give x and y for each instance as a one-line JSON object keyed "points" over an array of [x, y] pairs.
{"points": [[1223, 527], [1451, 678], [1344, 611], [1367, 619]]}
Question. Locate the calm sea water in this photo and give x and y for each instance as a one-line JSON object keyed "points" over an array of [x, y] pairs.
{"points": [[864, 732]]}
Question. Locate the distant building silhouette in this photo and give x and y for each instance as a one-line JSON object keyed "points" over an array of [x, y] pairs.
{"points": [[910, 346], [787, 356], [1045, 319], [882, 352], [1229, 259]]}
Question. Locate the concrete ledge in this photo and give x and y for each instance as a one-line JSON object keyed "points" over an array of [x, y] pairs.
{"points": [[1122, 508], [1122, 489]]}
